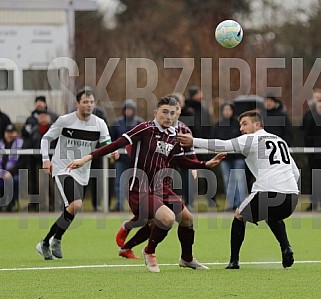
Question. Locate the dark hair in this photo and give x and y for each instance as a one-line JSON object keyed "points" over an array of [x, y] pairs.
{"points": [[10, 128], [193, 90], [228, 103], [168, 100], [174, 96], [255, 116], [86, 90], [273, 97], [40, 98]]}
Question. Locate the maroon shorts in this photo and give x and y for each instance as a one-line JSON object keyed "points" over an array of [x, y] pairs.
{"points": [[145, 205]]}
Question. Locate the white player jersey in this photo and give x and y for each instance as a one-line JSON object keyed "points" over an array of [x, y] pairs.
{"points": [[267, 157], [76, 138]]}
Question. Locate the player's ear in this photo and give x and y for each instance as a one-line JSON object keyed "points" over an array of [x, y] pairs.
{"points": [[155, 112]]}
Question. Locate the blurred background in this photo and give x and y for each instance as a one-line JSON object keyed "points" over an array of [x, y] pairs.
{"points": [[99, 38], [34, 33]]}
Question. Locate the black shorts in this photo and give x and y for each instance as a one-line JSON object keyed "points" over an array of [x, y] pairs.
{"points": [[268, 206], [69, 189]]}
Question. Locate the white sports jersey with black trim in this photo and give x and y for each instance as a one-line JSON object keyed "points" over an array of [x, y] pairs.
{"points": [[76, 138], [267, 157]]}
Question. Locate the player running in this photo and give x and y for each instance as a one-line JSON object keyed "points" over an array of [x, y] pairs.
{"points": [[154, 147], [78, 133], [274, 194], [144, 232]]}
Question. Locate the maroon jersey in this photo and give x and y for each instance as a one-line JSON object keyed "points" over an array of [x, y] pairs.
{"points": [[153, 150]]}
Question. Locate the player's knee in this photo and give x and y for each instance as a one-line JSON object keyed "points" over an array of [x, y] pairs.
{"points": [[165, 217], [169, 219], [75, 207], [187, 218]]}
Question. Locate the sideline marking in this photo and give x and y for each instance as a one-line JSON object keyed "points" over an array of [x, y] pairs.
{"points": [[140, 265]]}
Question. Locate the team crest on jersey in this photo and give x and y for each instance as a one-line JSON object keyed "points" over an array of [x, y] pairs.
{"points": [[164, 148]]}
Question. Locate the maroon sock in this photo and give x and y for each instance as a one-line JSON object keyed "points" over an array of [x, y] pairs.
{"points": [[134, 222], [141, 236], [186, 237], [157, 235]]}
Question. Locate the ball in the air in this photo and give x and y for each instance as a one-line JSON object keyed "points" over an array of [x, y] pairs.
{"points": [[229, 33]]}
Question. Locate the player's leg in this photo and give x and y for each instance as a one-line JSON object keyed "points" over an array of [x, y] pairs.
{"points": [[248, 211], [141, 236], [73, 195], [136, 202], [125, 228], [164, 219], [186, 235], [283, 207], [279, 231], [236, 241]]}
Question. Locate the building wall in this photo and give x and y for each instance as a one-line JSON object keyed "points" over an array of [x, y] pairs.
{"points": [[29, 41]]}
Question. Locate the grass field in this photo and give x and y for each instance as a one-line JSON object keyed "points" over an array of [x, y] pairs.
{"points": [[91, 267]]}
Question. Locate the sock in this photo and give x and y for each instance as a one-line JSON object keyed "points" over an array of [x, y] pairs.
{"points": [[237, 237], [186, 238], [50, 234], [157, 235], [278, 229], [133, 223], [141, 236], [63, 222]]}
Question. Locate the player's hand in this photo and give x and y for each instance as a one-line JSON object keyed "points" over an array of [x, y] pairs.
{"points": [[215, 160], [47, 166], [185, 140], [7, 175], [78, 162], [194, 174], [115, 155]]}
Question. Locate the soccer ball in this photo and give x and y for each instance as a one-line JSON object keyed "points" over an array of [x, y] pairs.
{"points": [[229, 33]]}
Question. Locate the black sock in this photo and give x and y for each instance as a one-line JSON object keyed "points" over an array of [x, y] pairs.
{"points": [[278, 229], [157, 235], [141, 236], [237, 237], [51, 233], [63, 222], [186, 238]]}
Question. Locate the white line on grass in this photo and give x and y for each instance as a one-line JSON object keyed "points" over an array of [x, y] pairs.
{"points": [[138, 265]]}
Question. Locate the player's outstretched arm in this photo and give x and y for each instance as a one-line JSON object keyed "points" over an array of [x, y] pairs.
{"points": [[215, 145], [215, 160], [79, 162]]}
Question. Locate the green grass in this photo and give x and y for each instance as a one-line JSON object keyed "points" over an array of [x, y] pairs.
{"points": [[91, 242]]}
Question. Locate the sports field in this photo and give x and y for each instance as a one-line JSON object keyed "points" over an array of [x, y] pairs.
{"points": [[91, 267]]}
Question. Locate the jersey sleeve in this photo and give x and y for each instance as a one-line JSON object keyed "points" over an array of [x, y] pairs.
{"points": [[241, 144], [215, 145], [109, 148], [136, 133], [185, 162], [52, 134], [104, 138]]}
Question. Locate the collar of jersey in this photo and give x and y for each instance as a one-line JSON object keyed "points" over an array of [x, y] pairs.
{"points": [[170, 130]]}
